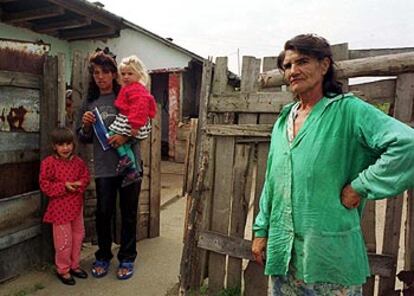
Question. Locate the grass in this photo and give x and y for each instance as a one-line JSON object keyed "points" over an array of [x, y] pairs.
{"points": [[28, 290]]}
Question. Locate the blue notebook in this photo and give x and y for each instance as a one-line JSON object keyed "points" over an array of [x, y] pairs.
{"points": [[100, 130]]}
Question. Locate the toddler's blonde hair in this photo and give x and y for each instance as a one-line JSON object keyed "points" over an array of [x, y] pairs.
{"points": [[137, 66]]}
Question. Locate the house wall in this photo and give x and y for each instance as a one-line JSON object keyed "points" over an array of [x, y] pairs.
{"points": [[153, 53]]}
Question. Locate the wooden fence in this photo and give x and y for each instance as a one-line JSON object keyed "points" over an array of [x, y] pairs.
{"points": [[227, 166]]}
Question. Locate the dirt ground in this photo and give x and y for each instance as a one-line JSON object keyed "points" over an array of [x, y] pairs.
{"points": [[157, 265]]}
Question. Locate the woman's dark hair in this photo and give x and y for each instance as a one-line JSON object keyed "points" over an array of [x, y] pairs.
{"points": [[61, 135], [108, 64], [316, 47]]}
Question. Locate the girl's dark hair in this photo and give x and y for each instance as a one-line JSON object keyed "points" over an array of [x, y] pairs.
{"points": [[316, 47], [108, 64], [61, 135]]}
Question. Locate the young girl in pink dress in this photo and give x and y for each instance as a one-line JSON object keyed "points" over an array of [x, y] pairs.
{"points": [[136, 108], [64, 178]]}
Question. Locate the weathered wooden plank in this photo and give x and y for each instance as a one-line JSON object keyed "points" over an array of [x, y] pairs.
{"points": [[391, 241], [13, 141], [376, 92], [387, 65], [19, 109], [223, 169], [239, 208], [409, 233], [220, 76], [269, 63], [241, 248], [19, 79], [20, 236], [404, 97], [340, 53], [368, 224], [255, 281], [19, 156], [236, 130], [61, 89], [48, 121], [155, 186], [17, 209], [365, 53], [193, 259], [190, 158], [258, 102]]}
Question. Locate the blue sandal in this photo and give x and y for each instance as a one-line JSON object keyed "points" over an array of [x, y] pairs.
{"points": [[104, 265], [129, 266]]}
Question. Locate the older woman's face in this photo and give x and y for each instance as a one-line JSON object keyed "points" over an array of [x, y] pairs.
{"points": [[103, 79], [304, 73]]}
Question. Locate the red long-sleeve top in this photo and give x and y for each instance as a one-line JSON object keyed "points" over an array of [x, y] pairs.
{"points": [[63, 206], [135, 102]]}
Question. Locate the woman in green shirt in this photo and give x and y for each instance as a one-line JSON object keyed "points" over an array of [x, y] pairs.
{"points": [[329, 153]]}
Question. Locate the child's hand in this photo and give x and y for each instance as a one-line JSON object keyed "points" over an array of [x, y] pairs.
{"points": [[70, 186], [134, 132]]}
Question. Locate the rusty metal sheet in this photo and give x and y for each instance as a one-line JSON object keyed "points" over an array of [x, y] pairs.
{"points": [[19, 109]]}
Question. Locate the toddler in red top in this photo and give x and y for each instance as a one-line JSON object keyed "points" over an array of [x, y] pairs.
{"points": [[64, 178], [136, 108]]}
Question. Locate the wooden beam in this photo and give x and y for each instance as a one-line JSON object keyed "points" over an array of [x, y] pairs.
{"points": [[239, 130], [376, 92], [77, 34], [241, 248], [365, 53], [19, 79], [32, 14], [62, 25], [387, 65], [17, 237], [260, 102], [88, 9]]}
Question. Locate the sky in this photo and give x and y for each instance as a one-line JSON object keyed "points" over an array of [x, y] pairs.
{"points": [[236, 28]]}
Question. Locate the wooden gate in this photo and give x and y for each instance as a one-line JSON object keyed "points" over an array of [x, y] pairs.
{"points": [[230, 163]]}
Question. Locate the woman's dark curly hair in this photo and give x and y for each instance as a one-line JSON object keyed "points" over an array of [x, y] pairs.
{"points": [[316, 47], [108, 64]]}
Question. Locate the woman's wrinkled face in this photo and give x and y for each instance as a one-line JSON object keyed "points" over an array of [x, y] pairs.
{"points": [[103, 79], [304, 73]]}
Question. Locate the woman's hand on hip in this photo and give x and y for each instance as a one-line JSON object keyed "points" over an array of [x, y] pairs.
{"points": [[117, 140], [350, 198], [258, 249]]}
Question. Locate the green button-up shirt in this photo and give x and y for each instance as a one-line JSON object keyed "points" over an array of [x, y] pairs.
{"points": [[343, 141]]}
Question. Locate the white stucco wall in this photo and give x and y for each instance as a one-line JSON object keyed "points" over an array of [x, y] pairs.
{"points": [[153, 53]]}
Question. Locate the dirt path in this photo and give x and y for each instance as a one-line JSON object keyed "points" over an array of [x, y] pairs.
{"points": [[157, 265]]}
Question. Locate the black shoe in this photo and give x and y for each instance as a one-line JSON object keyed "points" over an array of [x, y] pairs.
{"points": [[67, 281], [79, 273]]}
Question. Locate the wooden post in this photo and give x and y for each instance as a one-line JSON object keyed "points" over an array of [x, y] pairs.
{"points": [[155, 176], [61, 97], [409, 233], [222, 189], [254, 278], [368, 224], [48, 121], [341, 53], [193, 258]]}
